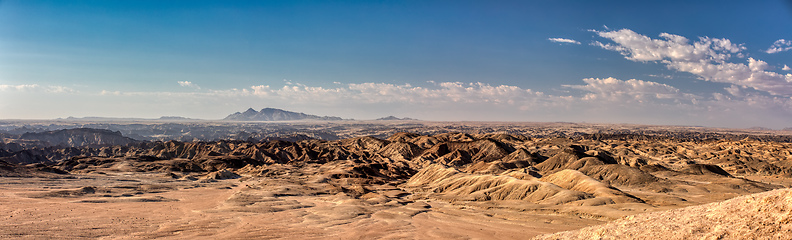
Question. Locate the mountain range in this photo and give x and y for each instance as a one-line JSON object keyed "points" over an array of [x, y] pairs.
{"points": [[274, 114], [392, 118]]}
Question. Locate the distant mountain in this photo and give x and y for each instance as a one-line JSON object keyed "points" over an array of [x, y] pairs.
{"points": [[175, 118], [110, 119], [274, 114], [392, 118]]}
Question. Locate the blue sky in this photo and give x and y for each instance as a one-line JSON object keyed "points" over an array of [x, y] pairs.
{"points": [[711, 63]]}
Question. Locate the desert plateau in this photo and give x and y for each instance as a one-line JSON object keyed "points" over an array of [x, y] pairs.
{"points": [[576, 181]]}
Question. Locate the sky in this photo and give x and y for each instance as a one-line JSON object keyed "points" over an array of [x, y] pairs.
{"points": [[693, 63]]}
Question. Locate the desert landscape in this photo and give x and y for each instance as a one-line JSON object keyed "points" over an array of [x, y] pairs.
{"points": [[275, 119], [603, 181]]}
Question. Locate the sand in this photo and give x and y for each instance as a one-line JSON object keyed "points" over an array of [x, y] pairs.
{"points": [[144, 206]]}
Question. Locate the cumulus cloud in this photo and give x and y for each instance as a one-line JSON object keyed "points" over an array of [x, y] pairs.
{"points": [[645, 101], [443, 92], [707, 58], [593, 100], [36, 88], [612, 89], [661, 76], [21, 87], [188, 84], [734, 91], [370, 94], [599, 93], [563, 40], [780, 45], [786, 68], [639, 47], [595, 92]]}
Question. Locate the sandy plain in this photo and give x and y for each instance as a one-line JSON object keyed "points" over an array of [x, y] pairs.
{"points": [[142, 206]]}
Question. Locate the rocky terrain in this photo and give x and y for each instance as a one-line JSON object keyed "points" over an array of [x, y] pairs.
{"points": [[77, 137], [408, 185], [206, 130]]}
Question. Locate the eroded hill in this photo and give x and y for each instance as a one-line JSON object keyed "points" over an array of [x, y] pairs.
{"points": [[410, 176]]}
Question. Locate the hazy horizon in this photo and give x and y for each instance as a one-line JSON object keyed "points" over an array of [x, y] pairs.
{"points": [[707, 63]]}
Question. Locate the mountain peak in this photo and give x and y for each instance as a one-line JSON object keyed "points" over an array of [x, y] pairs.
{"points": [[393, 118], [274, 114]]}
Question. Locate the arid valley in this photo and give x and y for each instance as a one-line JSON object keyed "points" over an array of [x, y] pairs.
{"points": [[425, 180]]}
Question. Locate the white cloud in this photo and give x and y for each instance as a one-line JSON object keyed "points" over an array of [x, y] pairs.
{"points": [[369, 93], [611, 89], [439, 101], [734, 90], [786, 68], [448, 96], [105, 92], [596, 92], [563, 40], [594, 100], [647, 101], [661, 76], [780, 45], [21, 87], [437, 94], [638, 47], [36, 88], [706, 58], [188, 84]]}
